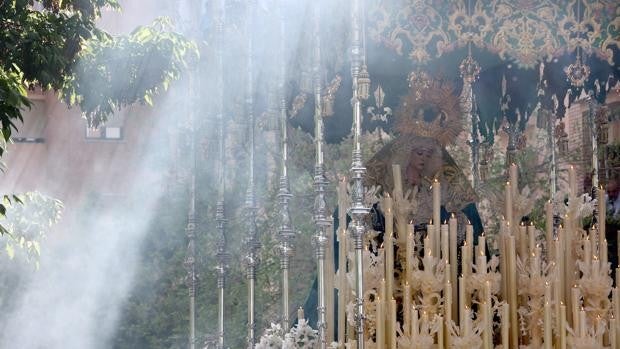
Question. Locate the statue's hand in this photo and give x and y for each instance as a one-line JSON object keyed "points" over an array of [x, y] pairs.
{"points": [[406, 204]]}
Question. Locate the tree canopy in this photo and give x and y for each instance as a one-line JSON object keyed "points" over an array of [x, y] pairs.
{"points": [[56, 45]]}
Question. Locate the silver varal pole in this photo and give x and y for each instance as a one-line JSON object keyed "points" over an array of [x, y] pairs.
{"points": [[190, 259], [357, 210], [252, 241], [220, 217], [592, 106], [285, 233], [320, 207]]}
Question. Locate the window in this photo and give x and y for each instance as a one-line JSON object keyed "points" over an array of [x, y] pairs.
{"points": [[32, 129], [112, 130]]}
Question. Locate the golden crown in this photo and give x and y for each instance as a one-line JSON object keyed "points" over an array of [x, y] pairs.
{"points": [[430, 110]]}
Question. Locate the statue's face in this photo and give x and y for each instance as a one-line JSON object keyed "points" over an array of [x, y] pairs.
{"points": [[423, 160]]}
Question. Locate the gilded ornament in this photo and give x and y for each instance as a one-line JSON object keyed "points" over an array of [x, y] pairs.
{"points": [[431, 110]]}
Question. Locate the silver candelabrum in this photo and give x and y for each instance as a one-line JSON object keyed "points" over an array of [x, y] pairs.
{"points": [[358, 210]]}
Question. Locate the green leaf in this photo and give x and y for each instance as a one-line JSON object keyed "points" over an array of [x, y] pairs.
{"points": [[10, 251]]}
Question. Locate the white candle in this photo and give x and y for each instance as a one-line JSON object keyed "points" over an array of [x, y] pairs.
{"points": [[300, 314], [407, 309], [415, 324], [487, 334], [587, 253], [389, 245], [549, 222], [563, 327], [514, 179], [596, 266], [467, 318], [508, 202], [512, 290], [575, 305], [505, 325], [445, 243], [462, 302], [613, 333], [583, 324], [436, 204], [440, 332], [604, 258], [453, 257], [398, 183], [522, 242], [531, 233], [393, 323], [547, 320], [380, 339], [602, 211], [448, 302], [409, 253], [572, 181], [425, 324]]}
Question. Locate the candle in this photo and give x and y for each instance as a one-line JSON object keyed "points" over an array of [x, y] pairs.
{"points": [[380, 339], [602, 208], [531, 233], [514, 179], [575, 303], [392, 323], [481, 264], [469, 235], [547, 320], [445, 243], [462, 301], [409, 253], [487, 334], [549, 222], [467, 319], [613, 334], [415, 325], [428, 255], [448, 303], [563, 327], [505, 325], [512, 290], [436, 208], [557, 286], [389, 245], [604, 259], [596, 266], [300, 314], [407, 309], [523, 252], [425, 324], [398, 183], [572, 182], [453, 257], [508, 202], [583, 324], [587, 253], [440, 332]]}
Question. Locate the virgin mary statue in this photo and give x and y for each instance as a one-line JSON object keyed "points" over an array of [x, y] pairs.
{"points": [[428, 120]]}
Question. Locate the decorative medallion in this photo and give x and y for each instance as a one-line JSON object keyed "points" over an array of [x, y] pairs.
{"points": [[577, 73], [419, 80], [432, 112], [469, 69]]}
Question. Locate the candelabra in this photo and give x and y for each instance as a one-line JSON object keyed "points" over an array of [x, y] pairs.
{"points": [[357, 209], [320, 207], [220, 217], [252, 242], [190, 230], [285, 232]]}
